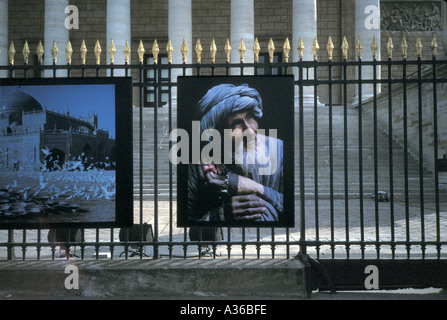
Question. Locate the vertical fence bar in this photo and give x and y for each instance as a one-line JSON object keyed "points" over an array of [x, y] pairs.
{"points": [[82, 243], [229, 243], [68, 247], [185, 232], [376, 169], [126, 232], [38, 246], [23, 244], [243, 245], [25, 69], [316, 190], [287, 229], [140, 145], [360, 132], [157, 73], [303, 245], [421, 157], [97, 245], [331, 164], [405, 123], [199, 245], [112, 246], [53, 248], [435, 149], [390, 155], [171, 214], [10, 248], [345, 154]]}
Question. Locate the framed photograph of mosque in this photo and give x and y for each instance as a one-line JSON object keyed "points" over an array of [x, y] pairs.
{"points": [[234, 151], [66, 153]]}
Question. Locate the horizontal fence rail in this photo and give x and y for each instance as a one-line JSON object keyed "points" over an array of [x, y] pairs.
{"points": [[367, 182]]}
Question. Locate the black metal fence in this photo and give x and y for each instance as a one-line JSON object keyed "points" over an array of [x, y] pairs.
{"points": [[370, 178]]}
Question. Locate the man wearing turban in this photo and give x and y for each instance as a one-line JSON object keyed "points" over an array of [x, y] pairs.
{"points": [[247, 190]]}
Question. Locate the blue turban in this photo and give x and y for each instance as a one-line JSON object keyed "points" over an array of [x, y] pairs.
{"points": [[224, 99]]}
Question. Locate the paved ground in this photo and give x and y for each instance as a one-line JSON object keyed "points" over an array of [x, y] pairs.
{"points": [[343, 230], [430, 294], [403, 294]]}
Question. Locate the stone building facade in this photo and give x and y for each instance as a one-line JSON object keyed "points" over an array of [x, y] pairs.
{"points": [[147, 20], [34, 139]]}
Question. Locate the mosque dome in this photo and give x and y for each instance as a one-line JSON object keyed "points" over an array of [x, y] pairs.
{"points": [[19, 101]]}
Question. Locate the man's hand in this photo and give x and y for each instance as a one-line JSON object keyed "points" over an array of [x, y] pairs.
{"points": [[216, 180], [247, 186], [247, 207]]}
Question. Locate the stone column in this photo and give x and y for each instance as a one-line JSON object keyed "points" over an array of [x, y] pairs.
{"points": [[118, 29], [4, 36], [242, 27], [179, 29], [55, 31], [305, 26], [367, 26]]}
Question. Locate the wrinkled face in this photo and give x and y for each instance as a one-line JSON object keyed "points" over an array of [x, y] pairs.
{"points": [[244, 120], [243, 123]]}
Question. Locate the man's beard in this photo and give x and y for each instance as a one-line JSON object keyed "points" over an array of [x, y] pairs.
{"points": [[258, 159], [245, 159]]}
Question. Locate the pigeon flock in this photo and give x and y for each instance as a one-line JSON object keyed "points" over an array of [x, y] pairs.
{"points": [[67, 189]]}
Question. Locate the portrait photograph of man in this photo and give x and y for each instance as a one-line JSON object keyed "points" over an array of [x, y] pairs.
{"points": [[234, 151]]}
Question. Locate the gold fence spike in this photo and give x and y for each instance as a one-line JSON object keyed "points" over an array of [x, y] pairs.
{"points": [[359, 48], [433, 46], [40, 52], [330, 48], [374, 47], [26, 52], [404, 47], [98, 51], [256, 49], [286, 49], [83, 52], [315, 48], [112, 51], [213, 50], [300, 48], [419, 47], [169, 50], [228, 50], [389, 47], [11, 53], [199, 50], [271, 49], [126, 52], [141, 52], [155, 51], [242, 50], [344, 48], [184, 50], [54, 52], [69, 52]]}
